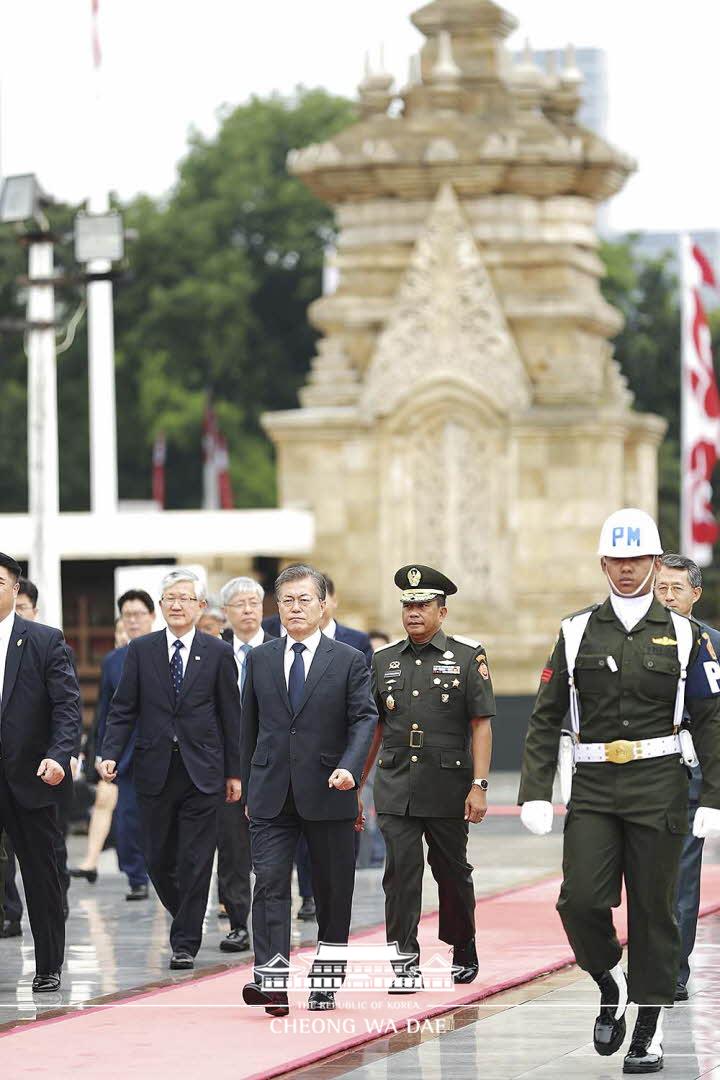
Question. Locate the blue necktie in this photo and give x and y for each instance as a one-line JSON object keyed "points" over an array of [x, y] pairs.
{"points": [[176, 667], [296, 682], [243, 649]]}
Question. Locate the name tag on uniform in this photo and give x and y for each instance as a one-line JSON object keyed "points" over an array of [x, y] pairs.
{"points": [[445, 669]]}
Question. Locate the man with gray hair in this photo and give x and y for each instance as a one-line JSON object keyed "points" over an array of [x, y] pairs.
{"points": [[242, 605], [678, 586], [179, 693]]}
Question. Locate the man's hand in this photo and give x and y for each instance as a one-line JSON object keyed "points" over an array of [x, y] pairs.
{"points": [[359, 825], [342, 780], [50, 772], [233, 789], [475, 805], [107, 770]]}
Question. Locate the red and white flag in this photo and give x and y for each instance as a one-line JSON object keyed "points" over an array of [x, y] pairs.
{"points": [[700, 411], [217, 490], [97, 54], [159, 455]]}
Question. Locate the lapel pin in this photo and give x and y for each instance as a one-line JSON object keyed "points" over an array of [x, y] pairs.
{"points": [[197, 657], [19, 641]]}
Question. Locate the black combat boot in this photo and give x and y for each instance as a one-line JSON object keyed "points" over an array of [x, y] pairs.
{"points": [[646, 1053], [609, 1030]]}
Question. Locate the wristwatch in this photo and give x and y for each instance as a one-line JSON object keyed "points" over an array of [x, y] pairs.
{"points": [[482, 784]]}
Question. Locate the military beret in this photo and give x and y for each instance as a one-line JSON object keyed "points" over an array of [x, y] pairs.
{"points": [[421, 583]]}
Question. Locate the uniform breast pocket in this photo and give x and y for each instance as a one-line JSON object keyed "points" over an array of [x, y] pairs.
{"points": [[592, 673], [659, 675], [392, 692]]}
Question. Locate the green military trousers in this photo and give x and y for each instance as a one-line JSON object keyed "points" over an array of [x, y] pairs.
{"points": [[405, 862], [630, 829]]}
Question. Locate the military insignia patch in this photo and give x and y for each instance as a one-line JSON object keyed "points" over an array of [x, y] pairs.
{"points": [[664, 641], [483, 670], [445, 697], [394, 663], [414, 577], [390, 702], [709, 646], [547, 674], [481, 658]]}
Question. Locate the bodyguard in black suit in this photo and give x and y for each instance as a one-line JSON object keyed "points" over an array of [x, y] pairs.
{"points": [[179, 693], [308, 719], [39, 730]]}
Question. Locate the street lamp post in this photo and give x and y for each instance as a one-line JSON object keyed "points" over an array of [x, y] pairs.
{"points": [[20, 200]]}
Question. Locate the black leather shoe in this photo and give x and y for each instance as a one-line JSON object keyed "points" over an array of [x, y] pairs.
{"points": [[407, 981], [681, 992], [306, 911], [275, 1002], [46, 984], [236, 941], [181, 961], [465, 962], [320, 1000], [11, 928], [89, 875], [137, 892], [646, 1053], [609, 1030]]}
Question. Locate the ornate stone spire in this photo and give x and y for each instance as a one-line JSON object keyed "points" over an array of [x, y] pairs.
{"points": [[375, 90]]}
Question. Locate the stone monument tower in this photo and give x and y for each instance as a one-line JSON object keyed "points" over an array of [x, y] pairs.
{"points": [[464, 409]]}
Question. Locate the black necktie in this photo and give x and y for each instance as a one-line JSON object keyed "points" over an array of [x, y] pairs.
{"points": [[296, 682], [176, 667]]}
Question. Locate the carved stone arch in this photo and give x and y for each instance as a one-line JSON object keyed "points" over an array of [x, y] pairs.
{"points": [[444, 475]]}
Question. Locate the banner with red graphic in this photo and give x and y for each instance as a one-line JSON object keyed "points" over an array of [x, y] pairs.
{"points": [[700, 410], [217, 489], [159, 455]]}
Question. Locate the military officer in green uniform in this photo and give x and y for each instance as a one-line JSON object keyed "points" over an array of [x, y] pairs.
{"points": [[433, 745], [624, 669]]}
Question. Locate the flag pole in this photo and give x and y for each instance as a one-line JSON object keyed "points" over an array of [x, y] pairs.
{"points": [[685, 510]]}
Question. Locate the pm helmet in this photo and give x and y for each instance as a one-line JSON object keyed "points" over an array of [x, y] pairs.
{"points": [[628, 533]]}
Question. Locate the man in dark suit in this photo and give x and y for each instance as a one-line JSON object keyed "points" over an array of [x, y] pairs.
{"points": [[358, 639], [242, 600], [308, 718], [137, 612], [179, 693], [39, 730]]}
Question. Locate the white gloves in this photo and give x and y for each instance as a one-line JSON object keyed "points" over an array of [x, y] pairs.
{"points": [[707, 822], [537, 816]]}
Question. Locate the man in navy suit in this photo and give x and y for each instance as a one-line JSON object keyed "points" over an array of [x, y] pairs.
{"points": [[137, 612], [39, 730], [308, 719], [179, 694]]}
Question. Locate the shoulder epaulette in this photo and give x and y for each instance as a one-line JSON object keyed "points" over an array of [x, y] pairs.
{"points": [[465, 640], [389, 645], [582, 611]]}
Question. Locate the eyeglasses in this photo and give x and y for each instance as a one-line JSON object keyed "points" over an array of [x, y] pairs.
{"points": [[288, 602], [676, 590], [253, 604], [128, 616], [184, 600]]}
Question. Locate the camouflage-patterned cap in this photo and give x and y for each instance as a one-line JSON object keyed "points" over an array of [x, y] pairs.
{"points": [[421, 583]]}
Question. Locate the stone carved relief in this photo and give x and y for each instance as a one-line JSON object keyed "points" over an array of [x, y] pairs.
{"points": [[446, 322]]}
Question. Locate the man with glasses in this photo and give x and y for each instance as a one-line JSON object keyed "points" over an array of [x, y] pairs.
{"points": [[137, 612], [242, 600], [179, 694], [308, 718]]}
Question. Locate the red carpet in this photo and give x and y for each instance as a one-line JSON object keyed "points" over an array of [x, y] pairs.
{"points": [[201, 1028]]}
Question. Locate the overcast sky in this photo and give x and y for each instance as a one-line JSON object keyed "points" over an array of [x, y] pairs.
{"points": [[169, 64]]}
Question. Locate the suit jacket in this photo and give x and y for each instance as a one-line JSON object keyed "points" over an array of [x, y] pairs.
{"points": [[110, 674], [227, 635], [40, 712], [205, 717], [332, 728], [358, 639]]}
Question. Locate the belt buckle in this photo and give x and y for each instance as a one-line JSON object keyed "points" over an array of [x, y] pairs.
{"points": [[419, 735], [620, 751]]}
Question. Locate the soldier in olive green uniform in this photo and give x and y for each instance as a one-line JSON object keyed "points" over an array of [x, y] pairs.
{"points": [[628, 810], [435, 700]]}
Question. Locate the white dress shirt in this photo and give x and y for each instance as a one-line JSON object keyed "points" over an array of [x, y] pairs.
{"points": [[631, 609], [6, 626], [311, 643], [187, 640], [240, 656], [330, 629]]}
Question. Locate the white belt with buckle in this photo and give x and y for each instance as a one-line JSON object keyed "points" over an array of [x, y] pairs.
{"points": [[623, 750]]}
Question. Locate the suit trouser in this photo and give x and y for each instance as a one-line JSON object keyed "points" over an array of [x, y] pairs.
{"points": [[304, 868], [234, 863], [180, 835], [687, 899], [128, 832], [33, 834], [332, 858], [13, 901], [402, 881], [599, 850]]}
